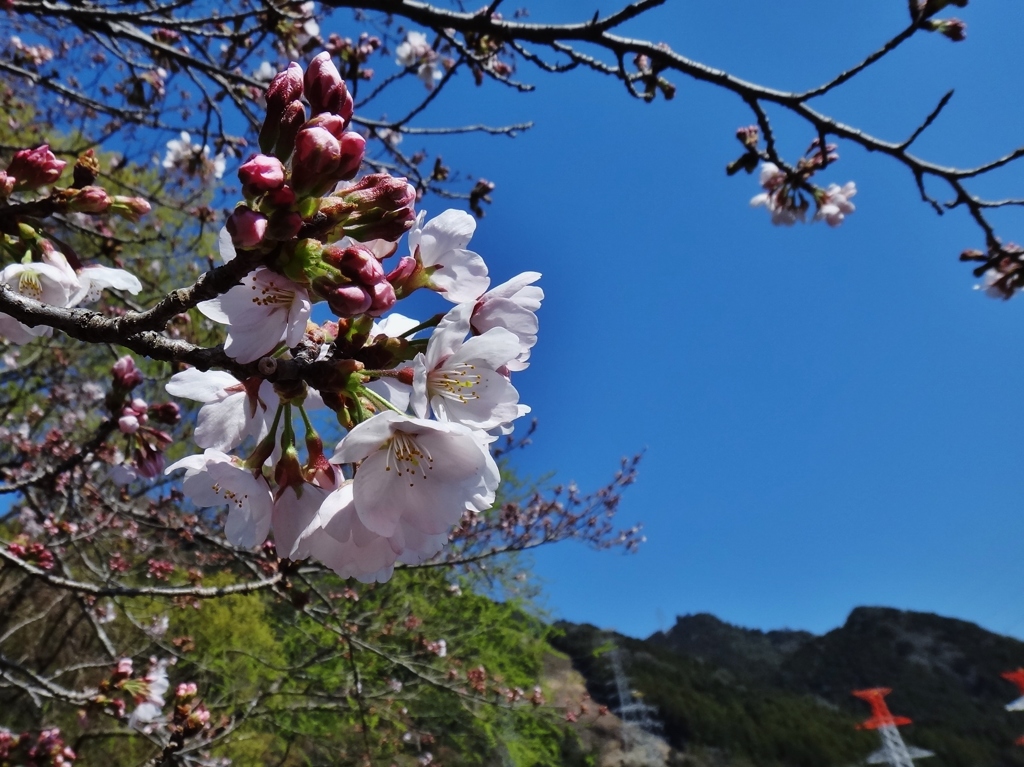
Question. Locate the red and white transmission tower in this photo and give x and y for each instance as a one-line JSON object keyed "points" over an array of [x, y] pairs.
{"points": [[1017, 677], [894, 751]]}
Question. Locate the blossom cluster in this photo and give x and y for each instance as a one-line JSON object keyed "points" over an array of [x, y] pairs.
{"points": [[47, 749], [788, 193], [421, 401], [420, 412], [148, 694], [41, 270]]}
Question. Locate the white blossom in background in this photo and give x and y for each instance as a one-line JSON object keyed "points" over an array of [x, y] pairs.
{"points": [[151, 707], [265, 72], [835, 204], [415, 50], [183, 154]]}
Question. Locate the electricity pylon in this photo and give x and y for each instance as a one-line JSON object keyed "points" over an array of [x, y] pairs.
{"points": [[894, 751], [635, 714], [1017, 677]]}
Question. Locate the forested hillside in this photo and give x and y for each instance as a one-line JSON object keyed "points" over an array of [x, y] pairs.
{"points": [[783, 697]]}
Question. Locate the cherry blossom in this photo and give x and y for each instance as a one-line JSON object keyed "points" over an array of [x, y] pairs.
{"points": [[777, 197], [42, 282], [457, 379], [416, 50], [156, 685], [416, 471], [261, 312], [295, 518], [512, 305], [185, 155], [439, 244], [393, 388], [93, 278], [349, 548], [214, 479], [835, 204], [233, 411]]}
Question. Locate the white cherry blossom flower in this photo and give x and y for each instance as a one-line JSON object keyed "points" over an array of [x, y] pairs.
{"points": [[418, 472], [512, 305], [416, 50], [295, 519], [157, 685], [352, 551], [233, 410], [94, 278], [215, 479], [42, 282], [87, 284], [457, 379], [265, 309], [345, 545], [412, 49], [461, 275], [836, 205], [776, 198]]}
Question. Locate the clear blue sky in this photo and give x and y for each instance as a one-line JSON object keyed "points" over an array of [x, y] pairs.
{"points": [[830, 417]]}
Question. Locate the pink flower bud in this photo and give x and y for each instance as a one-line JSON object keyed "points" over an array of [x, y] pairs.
{"points": [[128, 424], [325, 90], [329, 122], [292, 121], [259, 174], [349, 300], [280, 198], [377, 206], [380, 190], [355, 262], [6, 184], [285, 88], [150, 465], [246, 227], [167, 412], [283, 225], [406, 266], [130, 208], [317, 158], [126, 375], [33, 168], [383, 298], [353, 146], [124, 667], [90, 199]]}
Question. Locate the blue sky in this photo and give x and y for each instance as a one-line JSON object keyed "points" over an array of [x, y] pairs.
{"points": [[829, 416]]}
